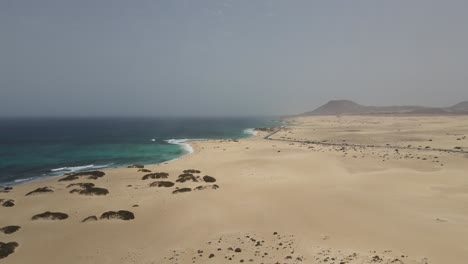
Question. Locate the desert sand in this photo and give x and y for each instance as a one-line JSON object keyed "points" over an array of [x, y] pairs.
{"points": [[351, 189]]}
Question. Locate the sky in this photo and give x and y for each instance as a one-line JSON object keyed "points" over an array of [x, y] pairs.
{"points": [[228, 58]]}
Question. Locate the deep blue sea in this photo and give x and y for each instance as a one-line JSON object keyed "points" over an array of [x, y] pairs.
{"points": [[31, 149]]}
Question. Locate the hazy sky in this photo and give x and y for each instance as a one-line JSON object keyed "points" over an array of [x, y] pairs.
{"points": [[245, 57]]}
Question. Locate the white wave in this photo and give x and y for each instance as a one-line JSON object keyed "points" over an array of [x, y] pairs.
{"points": [[23, 180], [55, 173], [182, 143], [101, 166], [80, 168], [58, 169], [250, 131], [26, 180]]}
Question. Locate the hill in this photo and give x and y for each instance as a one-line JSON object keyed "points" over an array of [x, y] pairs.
{"points": [[347, 107], [460, 107]]}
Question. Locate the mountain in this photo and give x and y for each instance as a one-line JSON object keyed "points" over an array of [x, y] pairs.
{"points": [[347, 107], [460, 107], [337, 107]]}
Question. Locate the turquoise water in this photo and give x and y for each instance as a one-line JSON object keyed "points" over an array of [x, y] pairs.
{"points": [[36, 148]]}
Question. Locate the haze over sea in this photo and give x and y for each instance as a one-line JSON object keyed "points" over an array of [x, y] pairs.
{"points": [[31, 149]]}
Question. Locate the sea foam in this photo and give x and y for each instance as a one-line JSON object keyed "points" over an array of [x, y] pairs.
{"points": [[250, 131], [181, 142]]}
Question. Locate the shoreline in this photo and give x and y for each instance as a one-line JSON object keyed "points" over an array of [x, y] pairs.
{"points": [[184, 144]]}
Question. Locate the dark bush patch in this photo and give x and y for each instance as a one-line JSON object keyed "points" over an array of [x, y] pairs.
{"points": [[186, 177], [156, 175], [207, 178], [9, 229], [138, 166], [192, 171], [82, 185], [91, 175], [91, 191], [7, 248], [8, 203], [91, 218], [40, 190], [50, 216], [201, 187], [121, 214], [88, 188], [162, 184], [5, 189], [182, 190]]}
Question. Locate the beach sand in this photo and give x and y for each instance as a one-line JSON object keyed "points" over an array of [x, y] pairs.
{"points": [[356, 189]]}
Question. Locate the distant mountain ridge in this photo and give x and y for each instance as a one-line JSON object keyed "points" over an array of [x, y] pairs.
{"points": [[347, 107], [463, 106]]}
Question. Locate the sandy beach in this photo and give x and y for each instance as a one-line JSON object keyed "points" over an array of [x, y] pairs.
{"points": [[325, 189]]}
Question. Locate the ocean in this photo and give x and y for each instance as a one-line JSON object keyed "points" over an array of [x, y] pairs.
{"points": [[35, 148]]}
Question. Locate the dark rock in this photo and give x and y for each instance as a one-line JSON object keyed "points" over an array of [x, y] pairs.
{"points": [[209, 179], [8, 203], [9, 229], [92, 175], [162, 184], [191, 171], [90, 219], [238, 250], [50, 216], [138, 166], [156, 175], [186, 177], [40, 190], [211, 255], [7, 248], [182, 190], [144, 170], [121, 214]]}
